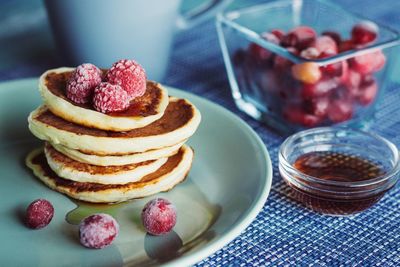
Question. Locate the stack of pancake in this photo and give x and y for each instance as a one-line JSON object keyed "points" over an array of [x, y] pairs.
{"points": [[114, 157]]}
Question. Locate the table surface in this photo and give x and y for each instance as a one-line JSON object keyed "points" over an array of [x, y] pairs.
{"points": [[284, 233]]}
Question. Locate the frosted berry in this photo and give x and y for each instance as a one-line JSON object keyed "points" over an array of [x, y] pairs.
{"points": [[307, 72], [297, 115], [300, 37], [325, 44], [368, 63], [364, 32], [39, 214], [367, 92], [129, 75], [98, 230], [334, 35], [340, 110], [159, 216], [278, 33], [110, 98], [310, 53], [82, 82]]}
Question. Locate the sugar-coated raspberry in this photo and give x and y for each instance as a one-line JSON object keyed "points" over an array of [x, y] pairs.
{"points": [[129, 75], [39, 214], [82, 82], [110, 98], [159, 216], [98, 230]]}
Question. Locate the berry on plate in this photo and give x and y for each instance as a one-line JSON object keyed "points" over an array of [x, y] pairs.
{"points": [[39, 214], [98, 230], [159, 216]]}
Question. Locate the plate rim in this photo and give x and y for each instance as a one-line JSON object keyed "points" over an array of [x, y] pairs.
{"points": [[247, 217]]}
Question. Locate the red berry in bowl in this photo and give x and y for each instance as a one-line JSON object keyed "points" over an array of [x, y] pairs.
{"points": [[364, 32], [368, 63], [334, 35], [307, 72], [321, 88], [39, 214], [278, 33], [282, 63], [82, 82], [340, 110], [325, 44], [346, 45], [159, 216], [353, 82], [310, 53], [297, 115], [300, 37], [317, 106], [98, 230], [367, 92], [129, 75], [259, 53], [110, 98]]}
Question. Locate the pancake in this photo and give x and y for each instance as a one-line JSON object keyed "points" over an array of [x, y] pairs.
{"points": [[70, 169], [179, 122], [165, 178], [118, 160], [142, 111]]}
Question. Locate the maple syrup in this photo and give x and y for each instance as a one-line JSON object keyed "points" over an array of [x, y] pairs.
{"points": [[332, 190]]}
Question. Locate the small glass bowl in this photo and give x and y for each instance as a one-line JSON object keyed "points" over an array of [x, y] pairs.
{"points": [[336, 197], [264, 86]]}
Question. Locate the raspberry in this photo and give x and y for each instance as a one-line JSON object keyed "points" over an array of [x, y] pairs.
{"points": [[364, 32], [39, 214], [159, 216], [325, 44], [368, 63], [334, 35], [98, 230], [83, 80], [300, 37], [129, 75], [278, 33], [110, 98]]}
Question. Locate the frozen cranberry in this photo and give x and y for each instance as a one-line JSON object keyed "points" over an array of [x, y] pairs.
{"points": [[340, 110], [300, 37], [317, 106], [364, 32], [297, 115], [346, 45], [282, 63], [259, 53], [307, 72], [98, 230], [310, 53], [325, 44], [318, 89], [334, 35], [39, 214], [368, 63], [367, 92], [159, 216], [278, 33]]}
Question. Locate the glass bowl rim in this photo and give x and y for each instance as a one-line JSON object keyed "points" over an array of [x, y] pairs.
{"points": [[227, 17], [284, 163]]}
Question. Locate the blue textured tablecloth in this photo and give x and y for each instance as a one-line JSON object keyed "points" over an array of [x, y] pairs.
{"points": [[284, 233]]}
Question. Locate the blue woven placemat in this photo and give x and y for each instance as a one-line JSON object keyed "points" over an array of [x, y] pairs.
{"points": [[285, 233]]}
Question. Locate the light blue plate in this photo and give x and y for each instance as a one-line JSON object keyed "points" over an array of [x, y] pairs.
{"points": [[226, 188]]}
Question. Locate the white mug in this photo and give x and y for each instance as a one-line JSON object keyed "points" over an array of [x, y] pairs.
{"points": [[104, 31]]}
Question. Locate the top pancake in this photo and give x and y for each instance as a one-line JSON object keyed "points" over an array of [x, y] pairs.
{"points": [[141, 112]]}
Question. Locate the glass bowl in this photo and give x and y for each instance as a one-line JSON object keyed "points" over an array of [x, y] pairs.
{"points": [[338, 170], [290, 89]]}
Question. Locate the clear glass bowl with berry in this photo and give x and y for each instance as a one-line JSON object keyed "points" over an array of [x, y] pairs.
{"points": [[301, 64]]}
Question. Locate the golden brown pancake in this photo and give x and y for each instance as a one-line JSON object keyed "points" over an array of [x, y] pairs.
{"points": [[165, 178], [70, 169], [142, 110], [178, 123]]}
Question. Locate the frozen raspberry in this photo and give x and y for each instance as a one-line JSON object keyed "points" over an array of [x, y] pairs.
{"points": [[297, 115], [281, 63], [321, 88], [334, 35], [259, 53], [346, 45], [340, 110], [39, 214], [310, 53], [98, 230], [82, 82], [159, 216], [278, 33], [325, 44], [110, 98], [129, 75], [364, 32], [367, 92]]}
